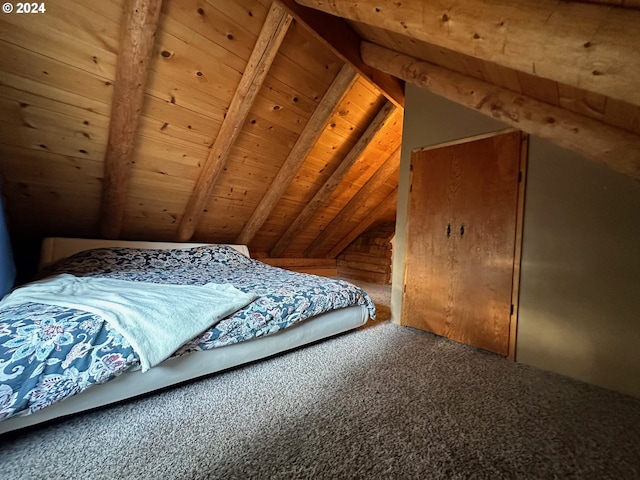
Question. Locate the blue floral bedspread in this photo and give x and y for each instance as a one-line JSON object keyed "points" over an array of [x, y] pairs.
{"points": [[48, 353]]}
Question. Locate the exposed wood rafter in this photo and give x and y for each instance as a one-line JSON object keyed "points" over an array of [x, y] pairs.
{"points": [[264, 52], [617, 148], [137, 36], [305, 143], [358, 201], [338, 36], [389, 202], [588, 46], [380, 120]]}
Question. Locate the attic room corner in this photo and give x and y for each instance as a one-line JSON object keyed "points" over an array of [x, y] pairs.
{"points": [[580, 270]]}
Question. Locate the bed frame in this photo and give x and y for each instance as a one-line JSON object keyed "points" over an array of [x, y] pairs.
{"points": [[187, 367]]}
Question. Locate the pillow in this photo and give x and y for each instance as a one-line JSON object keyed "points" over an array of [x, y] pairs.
{"points": [[7, 266]]}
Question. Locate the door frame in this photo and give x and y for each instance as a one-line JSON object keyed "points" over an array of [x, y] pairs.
{"points": [[517, 260]]}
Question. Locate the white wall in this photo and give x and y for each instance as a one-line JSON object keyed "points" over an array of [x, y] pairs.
{"points": [[580, 285]]}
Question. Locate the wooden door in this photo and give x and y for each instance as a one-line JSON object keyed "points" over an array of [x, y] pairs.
{"points": [[459, 260]]}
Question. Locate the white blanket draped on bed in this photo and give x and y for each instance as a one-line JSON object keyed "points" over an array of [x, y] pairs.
{"points": [[156, 319]]}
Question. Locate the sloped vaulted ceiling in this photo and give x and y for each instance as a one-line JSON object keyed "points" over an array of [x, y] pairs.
{"points": [[220, 121], [566, 71]]}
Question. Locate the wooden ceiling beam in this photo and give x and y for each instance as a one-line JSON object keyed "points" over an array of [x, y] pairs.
{"points": [[264, 52], [357, 202], [390, 201], [137, 37], [381, 119], [305, 143], [344, 42], [617, 148], [588, 46]]}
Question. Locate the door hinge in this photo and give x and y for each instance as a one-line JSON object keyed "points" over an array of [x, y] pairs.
{"points": [[410, 188], [404, 288], [519, 177], [512, 309]]}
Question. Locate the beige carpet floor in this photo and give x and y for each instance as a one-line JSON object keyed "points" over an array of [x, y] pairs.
{"points": [[380, 294]]}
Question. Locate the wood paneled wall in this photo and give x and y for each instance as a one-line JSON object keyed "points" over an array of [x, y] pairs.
{"points": [[325, 267], [369, 257]]}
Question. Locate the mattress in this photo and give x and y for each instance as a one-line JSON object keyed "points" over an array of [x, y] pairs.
{"points": [[233, 341]]}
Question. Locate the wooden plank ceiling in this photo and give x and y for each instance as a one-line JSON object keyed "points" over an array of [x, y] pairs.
{"points": [[566, 71], [269, 122], [217, 121]]}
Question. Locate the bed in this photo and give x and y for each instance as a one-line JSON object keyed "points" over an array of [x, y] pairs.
{"points": [[58, 359]]}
